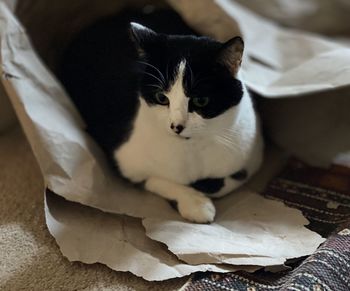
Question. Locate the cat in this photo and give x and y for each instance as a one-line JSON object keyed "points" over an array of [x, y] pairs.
{"points": [[169, 110]]}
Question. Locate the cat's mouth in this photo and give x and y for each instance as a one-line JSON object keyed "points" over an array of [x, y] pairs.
{"points": [[179, 136], [184, 137]]}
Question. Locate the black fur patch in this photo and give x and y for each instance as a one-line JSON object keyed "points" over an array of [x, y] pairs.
{"points": [[240, 175], [208, 186], [173, 204]]}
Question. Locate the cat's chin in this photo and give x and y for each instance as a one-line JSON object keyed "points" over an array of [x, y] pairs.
{"points": [[181, 137], [178, 136]]}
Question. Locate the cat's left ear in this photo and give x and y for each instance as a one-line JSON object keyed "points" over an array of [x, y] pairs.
{"points": [[141, 35], [231, 54]]}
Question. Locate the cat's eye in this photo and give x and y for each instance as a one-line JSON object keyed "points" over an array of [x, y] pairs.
{"points": [[200, 101], [162, 99]]}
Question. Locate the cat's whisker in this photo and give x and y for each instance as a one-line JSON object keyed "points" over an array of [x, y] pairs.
{"points": [[222, 137], [226, 133], [231, 133], [191, 74], [230, 136], [226, 141], [156, 86], [223, 142], [160, 73], [155, 77], [230, 130], [231, 142], [167, 71]]}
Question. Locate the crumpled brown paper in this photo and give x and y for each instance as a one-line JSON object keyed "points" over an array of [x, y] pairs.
{"points": [[74, 168], [248, 230], [91, 236]]}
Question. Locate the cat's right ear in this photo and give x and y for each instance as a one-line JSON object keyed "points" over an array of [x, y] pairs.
{"points": [[231, 54], [141, 35]]}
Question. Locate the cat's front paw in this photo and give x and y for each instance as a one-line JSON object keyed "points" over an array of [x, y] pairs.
{"points": [[197, 208]]}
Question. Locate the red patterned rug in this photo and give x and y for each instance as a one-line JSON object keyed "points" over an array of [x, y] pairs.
{"points": [[324, 198]]}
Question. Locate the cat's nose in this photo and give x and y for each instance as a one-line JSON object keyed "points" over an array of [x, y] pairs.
{"points": [[177, 128]]}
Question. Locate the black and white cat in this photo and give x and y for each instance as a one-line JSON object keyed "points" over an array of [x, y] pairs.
{"points": [[170, 110]]}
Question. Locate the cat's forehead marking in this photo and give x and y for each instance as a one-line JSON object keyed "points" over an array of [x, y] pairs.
{"points": [[176, 90], [181, 70], [177, 96]]}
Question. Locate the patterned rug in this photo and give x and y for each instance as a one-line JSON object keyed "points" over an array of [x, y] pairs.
{"points": [[324, 198]]}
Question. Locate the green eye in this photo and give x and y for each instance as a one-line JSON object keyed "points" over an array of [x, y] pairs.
{"points": [[162, 99], [200, 101]]}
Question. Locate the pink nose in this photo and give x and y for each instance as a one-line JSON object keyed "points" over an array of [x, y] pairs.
{"points": [[177, 128]]}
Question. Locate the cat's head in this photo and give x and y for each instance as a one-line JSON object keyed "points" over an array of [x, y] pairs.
{"points": [[189, 84]]}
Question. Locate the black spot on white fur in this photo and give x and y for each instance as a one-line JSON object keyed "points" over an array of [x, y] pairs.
{"points": [[240, 175], [173, 204], [209, 186]]}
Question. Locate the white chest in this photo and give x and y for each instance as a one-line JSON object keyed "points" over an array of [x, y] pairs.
{"points": [[151, 153]]}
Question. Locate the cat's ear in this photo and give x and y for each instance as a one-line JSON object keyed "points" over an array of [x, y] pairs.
{"points": [[141, 35], [231, 54]]}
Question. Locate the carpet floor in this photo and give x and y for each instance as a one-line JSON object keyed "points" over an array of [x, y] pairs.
{"points": [[29, 257]]}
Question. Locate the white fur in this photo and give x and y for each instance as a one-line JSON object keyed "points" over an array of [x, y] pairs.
{"points": [[192, 204], [167, 162], [179, 102]]}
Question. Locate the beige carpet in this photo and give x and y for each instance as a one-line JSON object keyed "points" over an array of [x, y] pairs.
{"points": [[29, 256]]}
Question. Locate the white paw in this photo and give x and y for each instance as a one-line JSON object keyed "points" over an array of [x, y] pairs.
{"points": [[197, 208]]}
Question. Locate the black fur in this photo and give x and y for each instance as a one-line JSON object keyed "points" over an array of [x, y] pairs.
{"points": [[104, 70], [208, 186], [240, 175]]}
